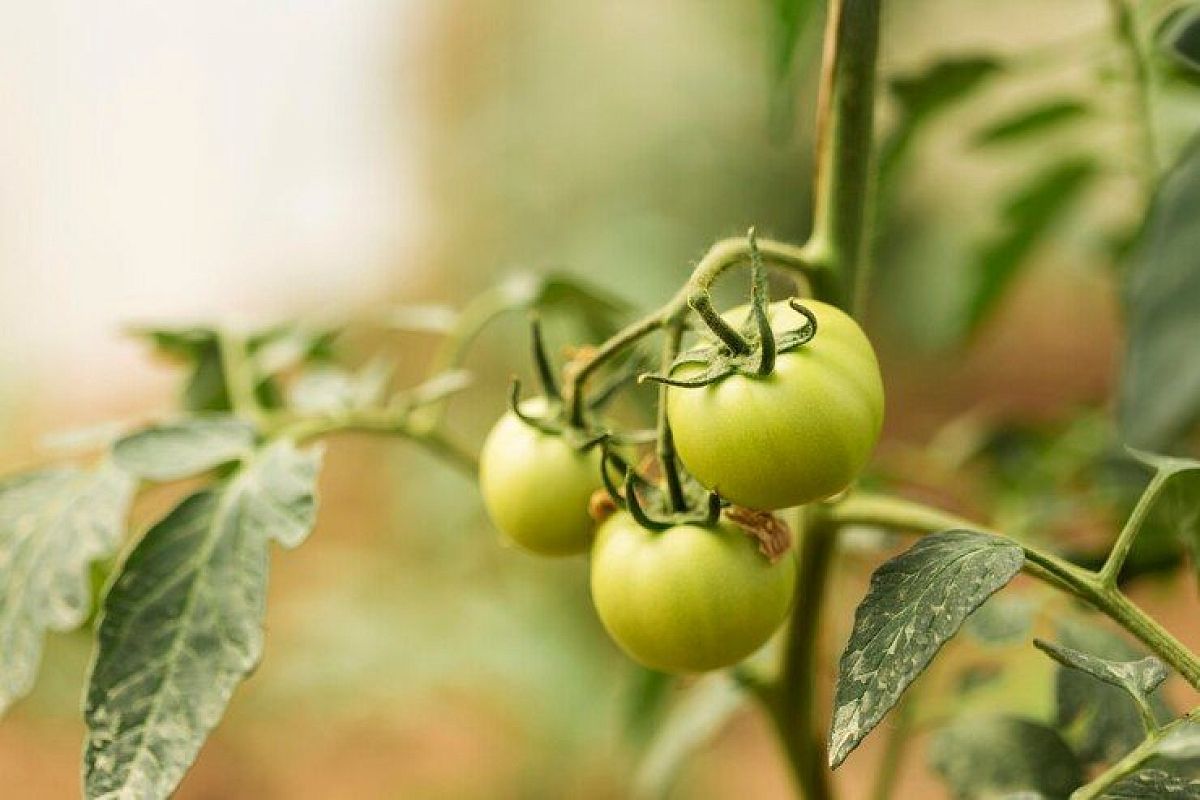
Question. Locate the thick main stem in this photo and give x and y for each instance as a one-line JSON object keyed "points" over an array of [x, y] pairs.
{"points": [[845, 141], [795, 714]]}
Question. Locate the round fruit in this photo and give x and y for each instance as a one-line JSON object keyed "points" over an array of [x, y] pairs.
{"points": [[690, 598], [800, 434], [536, 486]]}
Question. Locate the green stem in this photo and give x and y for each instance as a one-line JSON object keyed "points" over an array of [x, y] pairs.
{"points": [[795, 713], [666, 440], [1120, 550], [391, 422], [1088, 586], [239, 376], [720, 257], [1132, 762], [1125, 30], [845, 131]]}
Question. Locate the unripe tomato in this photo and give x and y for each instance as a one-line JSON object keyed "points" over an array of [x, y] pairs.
{"points": [[690, 598], [536, 486], [800, 434]]}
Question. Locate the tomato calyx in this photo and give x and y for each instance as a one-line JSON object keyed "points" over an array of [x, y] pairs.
{"points": [[773, 535], [650, 505], [750, 351]]}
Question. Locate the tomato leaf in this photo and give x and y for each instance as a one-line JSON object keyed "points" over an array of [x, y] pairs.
{"points": [[1100, 720], [1154, 784], [1002, 620], [182, 623], [995, 756], [1026, 216], [916, 603], [1160, 380], [693, 721], [53, 524], [1138, 678], [1044, 116], [184, 447]]}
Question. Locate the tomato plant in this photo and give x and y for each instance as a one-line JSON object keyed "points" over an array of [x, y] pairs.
{"points": [[712, 533]]}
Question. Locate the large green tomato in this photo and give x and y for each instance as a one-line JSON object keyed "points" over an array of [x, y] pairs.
{"points": [[536, 486], [690, 598], [800, 434]]}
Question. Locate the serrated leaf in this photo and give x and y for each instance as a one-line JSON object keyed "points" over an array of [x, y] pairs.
{"points": [[174, 450], [1027, 215], [182, 624], [694, 720], [1044, 116], [1160, 380], [1153, 784], [1101, 721], [915, 604], [1139, 678], [53, 524], [985, 757]]}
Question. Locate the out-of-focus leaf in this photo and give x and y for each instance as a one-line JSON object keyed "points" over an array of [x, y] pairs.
{"points": [[987, 757], [921, 96], [789, 18], [272, 351], [182, 623], [1160, 381], [1002, 620], [600, 311], [1027, 215], [424, 319], [1153, 784], [1042, 117], [697, 717], [1100, 721], [1178, 37], [916, 602], [329, 389], [53, 524], [184, 447], [1137, 678]]}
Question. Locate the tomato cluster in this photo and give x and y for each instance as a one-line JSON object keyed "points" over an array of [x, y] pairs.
{"points": [[686, 596]]}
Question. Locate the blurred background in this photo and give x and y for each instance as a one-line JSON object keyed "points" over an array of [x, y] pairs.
{"points": [[244, 163]]}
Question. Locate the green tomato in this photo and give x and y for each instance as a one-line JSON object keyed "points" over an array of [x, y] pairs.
{"points": [[690, 598], [800, 434], [536, 487]]}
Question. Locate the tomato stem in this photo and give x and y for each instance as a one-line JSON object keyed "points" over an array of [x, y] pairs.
{"points": [[672, 339]]}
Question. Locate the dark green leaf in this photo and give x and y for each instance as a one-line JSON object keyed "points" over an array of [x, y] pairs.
{"points": [[1044, 116], [1100, 721], [182, 624], [1153, 784], [1160, 381], [184, 447], [694, 720], [53, 524], [941, 84], [984, 757], [1139, 678], [1179, 38], [916, 602], [601, 311], [1027, 215]]}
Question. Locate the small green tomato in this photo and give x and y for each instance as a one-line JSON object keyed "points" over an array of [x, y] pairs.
{"points": [[536, 486], [798, 435], [690, 598]]}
